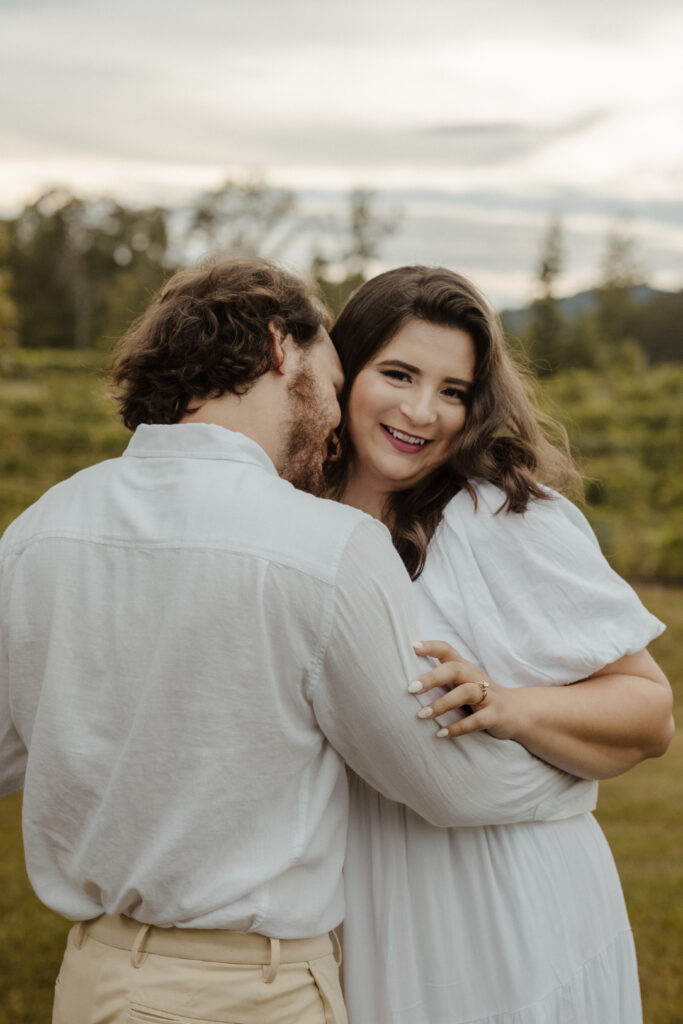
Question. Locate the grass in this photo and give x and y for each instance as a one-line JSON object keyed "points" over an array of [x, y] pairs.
{"points": [[55, 418], [32, 938], [640, 813]]}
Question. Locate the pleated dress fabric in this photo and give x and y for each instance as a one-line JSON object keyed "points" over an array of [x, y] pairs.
{"points": [[504, 924]]}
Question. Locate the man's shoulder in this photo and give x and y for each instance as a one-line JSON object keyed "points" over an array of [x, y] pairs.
{"points": [[324, 510], [243, 512], [313, 534], [53, 503]]}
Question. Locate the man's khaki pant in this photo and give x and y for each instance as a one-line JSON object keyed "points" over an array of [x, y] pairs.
{"points": [[116, 971]]}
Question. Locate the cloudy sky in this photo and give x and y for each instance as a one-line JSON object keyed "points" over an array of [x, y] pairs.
{"points": [[477, 119]]}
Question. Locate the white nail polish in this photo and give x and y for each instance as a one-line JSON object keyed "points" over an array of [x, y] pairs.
{"points": [[425, 713], [441, 733], [417, 644], [415, 686]]}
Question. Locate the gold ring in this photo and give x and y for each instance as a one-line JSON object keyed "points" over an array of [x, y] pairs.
{"points": [[484, 687]]}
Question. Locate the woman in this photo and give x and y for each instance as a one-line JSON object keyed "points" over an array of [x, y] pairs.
{"points": [[513, 924]]}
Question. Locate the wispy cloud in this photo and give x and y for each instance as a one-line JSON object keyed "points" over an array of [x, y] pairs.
{"points": [[491, 142]]}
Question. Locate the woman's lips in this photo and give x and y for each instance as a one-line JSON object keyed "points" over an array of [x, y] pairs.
{"points": [[400, 445]]}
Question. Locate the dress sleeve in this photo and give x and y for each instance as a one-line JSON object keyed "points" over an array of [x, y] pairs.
{"points": [[529, 596]]}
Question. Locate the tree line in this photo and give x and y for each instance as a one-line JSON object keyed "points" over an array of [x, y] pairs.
{"points": [[74, 272], [620, 320]]}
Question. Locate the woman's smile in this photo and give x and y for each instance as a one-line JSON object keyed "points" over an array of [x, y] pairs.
{"points": [[403, 442]]}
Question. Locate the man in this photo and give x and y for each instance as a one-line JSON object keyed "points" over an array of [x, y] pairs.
{"points": [[190, 649]]}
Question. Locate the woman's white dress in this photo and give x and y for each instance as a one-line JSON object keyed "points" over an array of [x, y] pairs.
{"points": [[507, 924]]}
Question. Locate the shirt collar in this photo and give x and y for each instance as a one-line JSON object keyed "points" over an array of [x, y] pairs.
{"points": [[196, 441]]}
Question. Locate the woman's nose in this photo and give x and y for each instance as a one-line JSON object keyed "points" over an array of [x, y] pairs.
{"points": [[418, 409]]}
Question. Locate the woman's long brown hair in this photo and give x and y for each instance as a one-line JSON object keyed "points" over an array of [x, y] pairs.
{"points": [[506, 439]]}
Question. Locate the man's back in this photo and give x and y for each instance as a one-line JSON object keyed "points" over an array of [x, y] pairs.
{"points": [[165, 614]]}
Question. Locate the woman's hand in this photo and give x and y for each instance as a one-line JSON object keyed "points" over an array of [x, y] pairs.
{"points": [[494, 707]]}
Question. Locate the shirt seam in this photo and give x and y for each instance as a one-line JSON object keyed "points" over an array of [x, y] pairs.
{"points": [[272, 556], [328, 615], [220, 456]]}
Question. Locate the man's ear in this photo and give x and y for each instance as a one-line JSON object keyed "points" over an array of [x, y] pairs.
{"points": [[279, 346]]}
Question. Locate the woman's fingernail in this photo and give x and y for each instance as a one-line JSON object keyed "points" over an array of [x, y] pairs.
{"points": [[425, 713], [415, 686], [442, 733], [417, 644]]}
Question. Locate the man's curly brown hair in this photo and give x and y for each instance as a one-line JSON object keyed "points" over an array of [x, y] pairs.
{"points": [[206, 333]]}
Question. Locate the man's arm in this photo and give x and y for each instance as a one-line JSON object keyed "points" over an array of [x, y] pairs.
{"points": [[12, 750], [362, 706]]}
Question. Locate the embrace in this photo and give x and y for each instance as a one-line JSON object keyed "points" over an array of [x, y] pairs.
{"points": [[302, 655]]}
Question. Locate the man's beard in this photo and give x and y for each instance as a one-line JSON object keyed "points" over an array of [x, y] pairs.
{"points": [[303, 447]]}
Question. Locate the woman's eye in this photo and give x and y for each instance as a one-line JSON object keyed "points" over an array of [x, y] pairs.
{"points": [[458, 393], [396, 375]]}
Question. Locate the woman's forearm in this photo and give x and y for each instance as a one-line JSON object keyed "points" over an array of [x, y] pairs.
{"points": [[596, 728], [602, 726]]}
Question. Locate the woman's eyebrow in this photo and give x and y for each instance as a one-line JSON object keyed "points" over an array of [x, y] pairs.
{"points": [[416, 369]]}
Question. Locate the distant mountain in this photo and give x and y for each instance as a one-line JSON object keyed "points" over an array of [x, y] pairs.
{"points": [[655, 321], [572, 306]]}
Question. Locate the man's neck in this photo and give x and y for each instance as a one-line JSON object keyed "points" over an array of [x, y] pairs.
{"points": [[255, 415]]}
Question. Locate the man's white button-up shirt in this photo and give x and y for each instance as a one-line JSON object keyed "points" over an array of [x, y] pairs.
{"points": [[190, 649]]}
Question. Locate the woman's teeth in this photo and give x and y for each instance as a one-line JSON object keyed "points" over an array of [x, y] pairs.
{"points": [[408, 438]]}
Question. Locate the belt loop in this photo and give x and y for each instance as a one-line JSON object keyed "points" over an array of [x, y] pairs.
{"points": [[337, 943], [137, 954], [79, 934], [270, 972]]}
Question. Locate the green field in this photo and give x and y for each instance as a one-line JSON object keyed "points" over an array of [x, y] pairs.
{"points": [[640, 812]]}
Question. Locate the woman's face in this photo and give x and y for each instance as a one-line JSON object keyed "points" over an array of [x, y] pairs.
{"points": [[408, 403]]}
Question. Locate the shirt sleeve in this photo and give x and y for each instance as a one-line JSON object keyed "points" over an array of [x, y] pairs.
{"points": [[361, 703], [13, 753], [530, 596]]}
